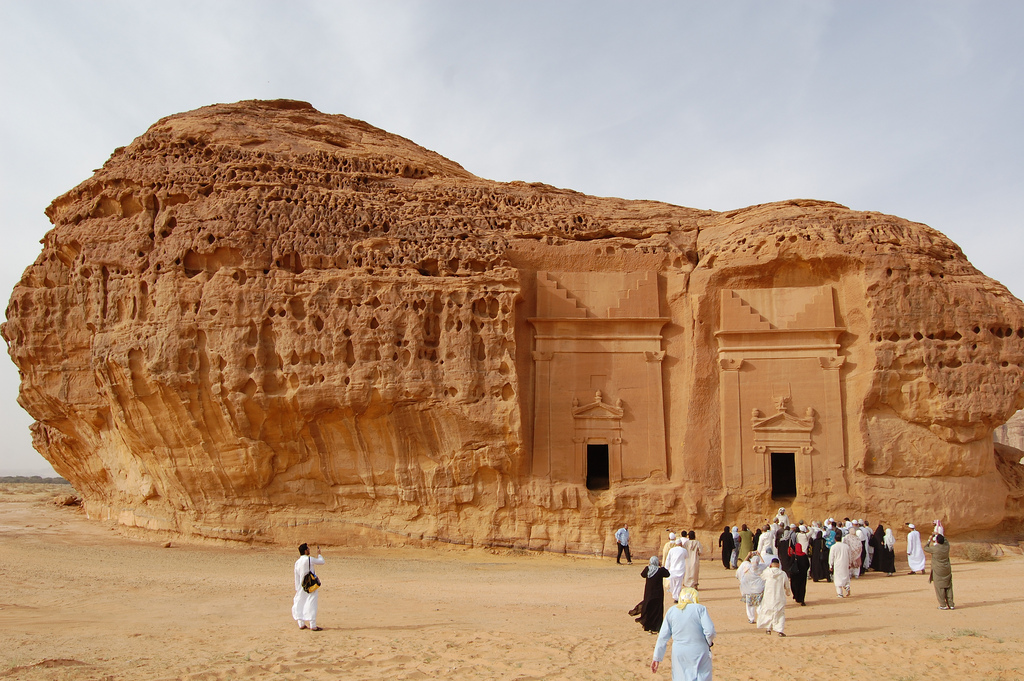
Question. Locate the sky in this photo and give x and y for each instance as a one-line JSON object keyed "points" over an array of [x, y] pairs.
{"points": [[911, 108]]}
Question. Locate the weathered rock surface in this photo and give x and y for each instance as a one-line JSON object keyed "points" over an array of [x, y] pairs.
{"points": [[258, 321]]}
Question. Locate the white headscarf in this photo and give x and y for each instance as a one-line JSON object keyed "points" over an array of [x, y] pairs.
{"points": [[890, 539], [653, 566]]}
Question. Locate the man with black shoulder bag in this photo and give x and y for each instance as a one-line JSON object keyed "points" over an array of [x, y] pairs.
{"points": [[307, 586]]}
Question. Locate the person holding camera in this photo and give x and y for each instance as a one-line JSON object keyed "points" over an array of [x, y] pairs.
{"points": [[942, 573], [306, 590]]}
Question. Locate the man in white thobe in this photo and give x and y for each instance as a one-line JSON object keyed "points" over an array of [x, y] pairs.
{"points": [[304, 605], [771, 613], [915, 552], [869, 551], [840, 560], [694, 549], [856, 549], [675, 563]]}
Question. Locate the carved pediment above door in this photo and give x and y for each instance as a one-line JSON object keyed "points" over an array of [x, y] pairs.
{"points": [[783, 431], [598, 409]]}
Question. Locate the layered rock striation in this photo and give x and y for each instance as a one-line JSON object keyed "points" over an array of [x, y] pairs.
{"points": [[258, 321]]}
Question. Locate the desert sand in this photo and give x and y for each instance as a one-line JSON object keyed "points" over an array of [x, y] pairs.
{"points": [[83, 600]]}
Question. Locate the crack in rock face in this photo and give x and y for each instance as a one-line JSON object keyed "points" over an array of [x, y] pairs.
{"points": [[261, 322]]}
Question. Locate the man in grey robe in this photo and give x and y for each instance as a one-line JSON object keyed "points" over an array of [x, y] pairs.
{"points": [[942, 573]]}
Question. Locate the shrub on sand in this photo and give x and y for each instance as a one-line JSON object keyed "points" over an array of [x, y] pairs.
{"points": [[977, 552]]}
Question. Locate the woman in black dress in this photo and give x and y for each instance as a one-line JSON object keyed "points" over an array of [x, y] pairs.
{"points": [[652, 608], [725, 541], [798, 572], [819, 556], [885, 554]]}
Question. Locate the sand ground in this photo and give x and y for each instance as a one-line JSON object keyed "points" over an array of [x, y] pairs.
{"points": [[80, 600]]}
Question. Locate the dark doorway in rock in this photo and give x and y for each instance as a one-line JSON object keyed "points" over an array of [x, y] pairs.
{"points": [[783, 475], [597, 466]]}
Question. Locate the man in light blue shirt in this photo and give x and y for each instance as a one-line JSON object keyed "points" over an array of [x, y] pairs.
{"points": [[622, 539]]}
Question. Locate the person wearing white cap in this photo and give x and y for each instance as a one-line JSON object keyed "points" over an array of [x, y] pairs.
{"points": [[675, 563], [869, 551], [915, 552], [771, 613], [668, 547], [856, 549], [840, 559]]}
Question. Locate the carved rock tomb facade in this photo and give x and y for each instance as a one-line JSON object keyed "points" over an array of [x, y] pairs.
{"points": [[261, 322]]}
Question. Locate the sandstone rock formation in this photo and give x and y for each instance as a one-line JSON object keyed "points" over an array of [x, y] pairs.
{"points": [[258, 321]]}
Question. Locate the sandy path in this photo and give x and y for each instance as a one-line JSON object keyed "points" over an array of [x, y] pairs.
{"points": [[81, 601]]}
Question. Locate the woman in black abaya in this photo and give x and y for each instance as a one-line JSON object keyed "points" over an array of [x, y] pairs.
{"points": [[819, 556], [798, 572], [885, 554], [652, 608]]}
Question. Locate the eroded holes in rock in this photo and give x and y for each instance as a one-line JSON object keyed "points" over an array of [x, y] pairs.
{"points": [[347, 380], [318, 323], [239, 276], [917, 335], [894, 336], [249, 388], [974, 346], [458, 325], [250, 362], [1004, 364], [955, 337], [298, 308], [294, 358], [349, 354], [271, 311], [507, 392], [374, 323], [85, 272], [888, 271], [394, 357], [452, 391], [977, 329]]}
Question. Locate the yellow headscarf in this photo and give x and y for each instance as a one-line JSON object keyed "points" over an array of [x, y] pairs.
{"points": [[686, 596]]}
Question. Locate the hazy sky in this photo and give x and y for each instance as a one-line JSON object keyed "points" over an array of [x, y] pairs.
{"points": [[909, 108]]}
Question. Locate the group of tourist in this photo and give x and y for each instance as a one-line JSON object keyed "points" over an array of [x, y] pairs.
{"points": [[678, 569], [776, 562]]}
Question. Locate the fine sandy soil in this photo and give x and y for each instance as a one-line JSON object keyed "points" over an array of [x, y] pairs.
{"points": [[80, 600]]}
